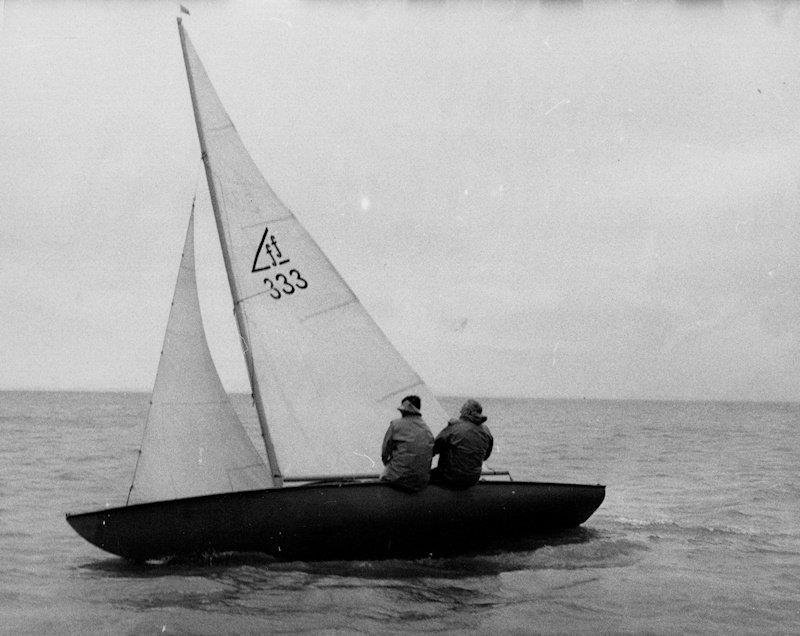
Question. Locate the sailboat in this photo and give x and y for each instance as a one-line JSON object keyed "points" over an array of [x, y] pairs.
{"points": [[325, 380]]}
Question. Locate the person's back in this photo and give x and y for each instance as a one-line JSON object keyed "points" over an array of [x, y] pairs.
{"points": [[463, 445], [408, 449]]}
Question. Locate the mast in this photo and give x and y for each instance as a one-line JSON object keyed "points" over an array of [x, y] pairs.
{"points": [[237, 308]]}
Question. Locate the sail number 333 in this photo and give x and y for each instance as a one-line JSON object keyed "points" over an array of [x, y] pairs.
{"points": [[269, 256], [284, 285]]}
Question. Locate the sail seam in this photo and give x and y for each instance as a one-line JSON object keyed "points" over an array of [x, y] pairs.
{"points": [[260, 223], [241, 300], [352, 301]]}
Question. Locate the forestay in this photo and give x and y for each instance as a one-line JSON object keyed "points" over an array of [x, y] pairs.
{"points": [[193, 444], [327, 379]]}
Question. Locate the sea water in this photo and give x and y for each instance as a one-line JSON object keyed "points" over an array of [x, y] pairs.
{"points": [[699, 531]]}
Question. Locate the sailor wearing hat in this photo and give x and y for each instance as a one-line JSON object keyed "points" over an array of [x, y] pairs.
{"points": [[408, 448]]}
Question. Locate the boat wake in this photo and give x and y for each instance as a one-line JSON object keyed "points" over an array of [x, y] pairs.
{"points": [[666, 527]]}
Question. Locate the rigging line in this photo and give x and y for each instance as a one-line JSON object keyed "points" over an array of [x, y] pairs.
{"points": [[150, 405], [139, 454], [302, 478], [199, 171]]}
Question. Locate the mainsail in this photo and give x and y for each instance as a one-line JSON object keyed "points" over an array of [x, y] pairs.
{"points": [[324, 376], [193, 444]]}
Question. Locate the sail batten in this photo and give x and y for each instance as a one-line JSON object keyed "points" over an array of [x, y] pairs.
{"points": [[321, 369]]}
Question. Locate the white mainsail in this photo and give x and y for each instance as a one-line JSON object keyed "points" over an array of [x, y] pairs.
{"points": [[193, 443], [324, 376]]}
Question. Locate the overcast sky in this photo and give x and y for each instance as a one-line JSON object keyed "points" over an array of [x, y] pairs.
{"points": [[539, 199]]}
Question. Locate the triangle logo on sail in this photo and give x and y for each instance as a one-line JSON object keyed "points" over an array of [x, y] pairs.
{"points": [[268, 254]]}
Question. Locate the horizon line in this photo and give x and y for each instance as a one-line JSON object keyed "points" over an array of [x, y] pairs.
{"points": [[447, 395]]}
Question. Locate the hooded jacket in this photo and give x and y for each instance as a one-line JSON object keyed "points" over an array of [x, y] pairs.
{"points": [[463, 445]]}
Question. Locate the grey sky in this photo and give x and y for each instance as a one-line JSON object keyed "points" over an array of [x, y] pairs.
{"points": [[539, 199]]}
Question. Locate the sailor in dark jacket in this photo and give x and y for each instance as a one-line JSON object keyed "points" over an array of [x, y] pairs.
{"points": [[407, 448], [463, 445]]}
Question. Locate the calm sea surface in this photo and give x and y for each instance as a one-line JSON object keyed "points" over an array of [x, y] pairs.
{"points": [[700, 531]]}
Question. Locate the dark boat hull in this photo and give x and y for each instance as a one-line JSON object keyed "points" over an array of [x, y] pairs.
{"points": [[341, 520]]}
